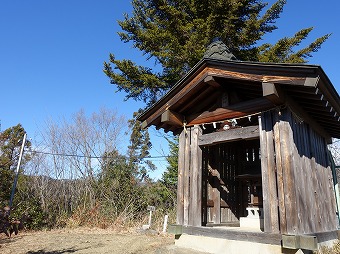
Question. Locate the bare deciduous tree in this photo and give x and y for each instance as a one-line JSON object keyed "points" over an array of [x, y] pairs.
{"points": [[69, 157]]}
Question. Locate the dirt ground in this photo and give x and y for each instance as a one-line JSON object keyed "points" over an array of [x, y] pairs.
{"points": [[94, 241]]}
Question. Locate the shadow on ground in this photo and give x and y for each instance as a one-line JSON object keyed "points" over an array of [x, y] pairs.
{"points": [[6, 239], [69, 250]]}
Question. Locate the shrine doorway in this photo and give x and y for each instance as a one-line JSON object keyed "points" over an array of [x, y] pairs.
{"points": [[232, 186]]}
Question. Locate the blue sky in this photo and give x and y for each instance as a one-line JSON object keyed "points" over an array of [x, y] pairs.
{"points": [[52, 54]]}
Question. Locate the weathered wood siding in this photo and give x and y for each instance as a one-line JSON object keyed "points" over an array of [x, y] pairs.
{"points": [[189, 187], [306, 201], [269, 186]]}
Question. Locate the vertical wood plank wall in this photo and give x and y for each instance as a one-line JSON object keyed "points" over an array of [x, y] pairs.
{"points": [[306, 201], [297, 181], [189, 186], [270, 201]]}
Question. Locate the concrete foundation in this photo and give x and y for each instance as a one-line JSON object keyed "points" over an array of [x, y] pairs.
{"points": [[218, 245], [224, 246], [235, 240]]}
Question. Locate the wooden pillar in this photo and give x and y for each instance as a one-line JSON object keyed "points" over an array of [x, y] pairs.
{"points": [[195, 214], [269, 186], [180, 180], [279, 174], [186, 176]]}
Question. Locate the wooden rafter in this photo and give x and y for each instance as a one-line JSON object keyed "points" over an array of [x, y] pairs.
{"points": [[234, 111]]}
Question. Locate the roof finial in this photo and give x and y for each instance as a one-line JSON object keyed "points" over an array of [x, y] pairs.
{"points": [[218, 50]]}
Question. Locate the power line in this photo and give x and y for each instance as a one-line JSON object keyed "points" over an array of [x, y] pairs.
{"points": [[96, 157]]}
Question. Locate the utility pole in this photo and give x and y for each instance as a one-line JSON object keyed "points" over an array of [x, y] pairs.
{"points": [[17, 171]]}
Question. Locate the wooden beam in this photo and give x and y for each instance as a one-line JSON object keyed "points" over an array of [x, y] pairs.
{"points": [[231, 234], [271, 77], [211, 81], [172, 118], [299, 77], [214, 138], [233, 111], [272, 92], [187, 87]]}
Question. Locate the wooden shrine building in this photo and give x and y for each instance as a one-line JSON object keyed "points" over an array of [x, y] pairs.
{"points": [[253, 149]]}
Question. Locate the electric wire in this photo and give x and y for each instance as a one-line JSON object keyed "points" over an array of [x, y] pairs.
{"points": [[96, 157]]}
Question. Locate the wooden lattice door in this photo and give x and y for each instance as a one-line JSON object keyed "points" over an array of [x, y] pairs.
{"points": [[226, 193]]}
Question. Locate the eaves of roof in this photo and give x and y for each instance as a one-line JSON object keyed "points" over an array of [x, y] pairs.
{"points": [[301, 69]]}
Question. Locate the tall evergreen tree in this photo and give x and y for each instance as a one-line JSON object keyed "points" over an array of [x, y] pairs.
{"points": [[139, 149], [175, 34], [10, 143]]}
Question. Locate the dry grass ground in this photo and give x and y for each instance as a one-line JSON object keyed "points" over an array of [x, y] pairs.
{"points": [[97, 241], [86, 241]]}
